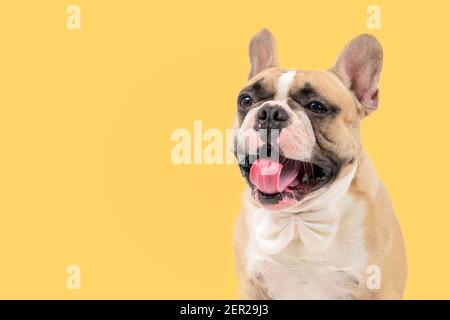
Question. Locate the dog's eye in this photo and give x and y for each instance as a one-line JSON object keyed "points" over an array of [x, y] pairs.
{"points": [[316, 107], [245, 101]]}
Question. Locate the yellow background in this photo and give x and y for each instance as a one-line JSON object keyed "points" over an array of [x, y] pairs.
{"points": [[86, 117]]}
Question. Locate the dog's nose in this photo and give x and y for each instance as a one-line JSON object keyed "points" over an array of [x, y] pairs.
{"points": [[272, 117]]}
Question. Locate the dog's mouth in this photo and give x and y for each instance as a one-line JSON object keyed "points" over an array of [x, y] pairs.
{"points": [[280, 183]]}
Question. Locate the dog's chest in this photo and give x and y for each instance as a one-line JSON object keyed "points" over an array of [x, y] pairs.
{"points": [[297, 273]]}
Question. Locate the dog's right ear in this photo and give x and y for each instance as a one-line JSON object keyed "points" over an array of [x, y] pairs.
{"points": [[263, 52]]}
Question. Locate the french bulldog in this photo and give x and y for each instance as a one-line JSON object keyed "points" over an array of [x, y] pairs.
{"points": [[316, 221]]}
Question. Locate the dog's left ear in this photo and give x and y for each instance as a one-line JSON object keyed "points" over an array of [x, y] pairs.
{"points": [[359, 66]]}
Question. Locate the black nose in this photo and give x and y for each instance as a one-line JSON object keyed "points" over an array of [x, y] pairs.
{"points": [[272, 117]]}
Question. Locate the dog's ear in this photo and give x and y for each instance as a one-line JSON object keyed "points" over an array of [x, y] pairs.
{"points": [[263, 52], [359, 66]]}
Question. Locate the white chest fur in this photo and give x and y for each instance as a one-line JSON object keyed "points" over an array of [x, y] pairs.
{"points": [[300, 273]]}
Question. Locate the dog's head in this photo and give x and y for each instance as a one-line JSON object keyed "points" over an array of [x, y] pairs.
{"points": [[297, 132]]}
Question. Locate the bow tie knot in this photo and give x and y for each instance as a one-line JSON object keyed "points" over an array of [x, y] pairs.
{"points": [[275, 230]]}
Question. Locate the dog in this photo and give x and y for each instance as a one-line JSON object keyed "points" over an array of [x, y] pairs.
{"points": [[316, 221]]}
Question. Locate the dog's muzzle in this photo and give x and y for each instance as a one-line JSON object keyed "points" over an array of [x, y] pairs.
{"points": [[273, 170]]}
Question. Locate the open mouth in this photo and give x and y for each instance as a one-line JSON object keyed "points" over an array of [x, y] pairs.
{"points": [[279, 184]]}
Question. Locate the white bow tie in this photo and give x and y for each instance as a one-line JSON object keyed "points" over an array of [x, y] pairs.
{"points": [[315, 220]]}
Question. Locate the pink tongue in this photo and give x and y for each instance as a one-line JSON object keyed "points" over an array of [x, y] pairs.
{"points": [[271, 176]]}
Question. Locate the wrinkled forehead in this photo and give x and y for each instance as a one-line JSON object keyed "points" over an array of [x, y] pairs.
{"points": [[276, 83]]}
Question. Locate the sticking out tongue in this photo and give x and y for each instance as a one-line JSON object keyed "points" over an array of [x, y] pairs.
{"points": [[270, 176]]}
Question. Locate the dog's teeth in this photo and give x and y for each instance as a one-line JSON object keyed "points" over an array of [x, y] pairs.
{"points": [[305, 177], [294, 183]]}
